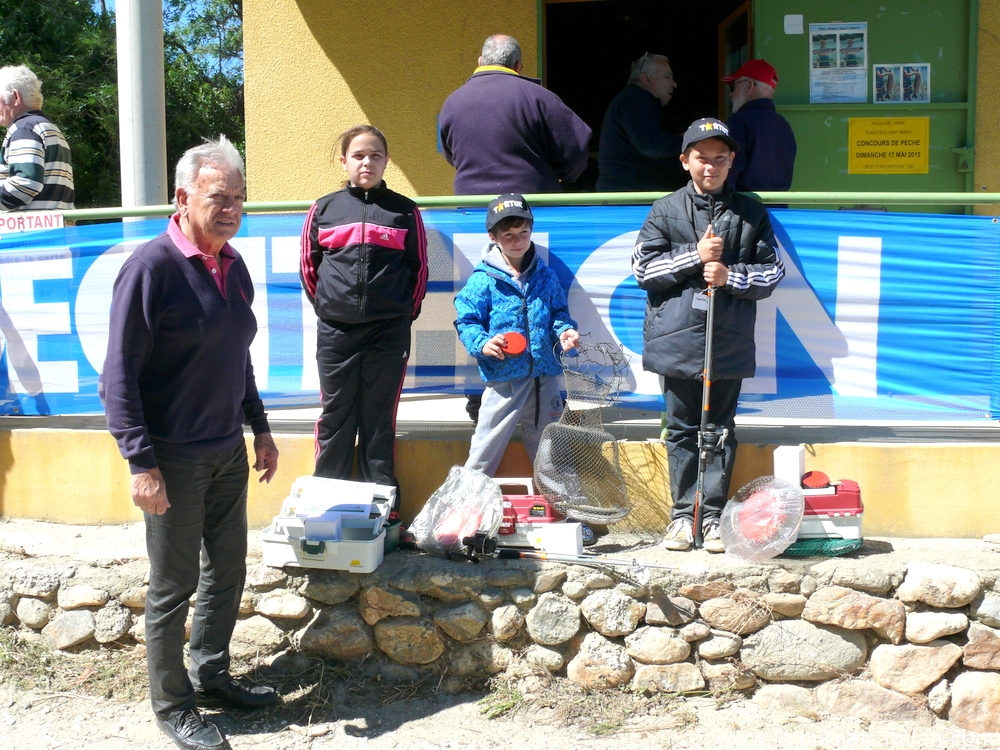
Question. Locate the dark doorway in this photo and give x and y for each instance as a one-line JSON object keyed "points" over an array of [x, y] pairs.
{"points": [[589, 46]]}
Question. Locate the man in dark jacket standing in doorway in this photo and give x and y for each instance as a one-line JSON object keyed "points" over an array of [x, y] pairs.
{"points": [[504, 133], [636, 152]]}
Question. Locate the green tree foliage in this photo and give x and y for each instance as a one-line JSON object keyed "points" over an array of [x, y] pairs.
{"points": [[203, 46], [70, 44], [71, 48]]}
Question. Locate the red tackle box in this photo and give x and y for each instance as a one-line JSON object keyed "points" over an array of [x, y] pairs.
{"points": [[533, 509], [832, 512], [522, 513]]}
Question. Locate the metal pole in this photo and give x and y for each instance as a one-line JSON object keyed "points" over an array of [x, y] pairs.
{"points": [[577, 199], [141, 109]]}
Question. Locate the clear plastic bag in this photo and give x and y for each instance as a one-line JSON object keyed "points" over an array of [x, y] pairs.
{"points": [[467, 502], [762, 519]]}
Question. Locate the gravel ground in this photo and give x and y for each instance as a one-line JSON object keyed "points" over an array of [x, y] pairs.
{"points": [[34, 720]]}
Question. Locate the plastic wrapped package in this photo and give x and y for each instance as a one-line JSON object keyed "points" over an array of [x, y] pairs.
{"points": [[762, 519], [467, 502]]}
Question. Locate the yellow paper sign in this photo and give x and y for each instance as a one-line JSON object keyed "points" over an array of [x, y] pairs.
{"points": [[888, 145]]}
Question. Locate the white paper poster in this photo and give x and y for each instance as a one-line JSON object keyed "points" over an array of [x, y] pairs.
{"points": [[838, 63]]}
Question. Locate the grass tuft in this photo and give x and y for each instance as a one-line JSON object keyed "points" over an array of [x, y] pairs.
{"points": [[502, 699], [27, 663]]}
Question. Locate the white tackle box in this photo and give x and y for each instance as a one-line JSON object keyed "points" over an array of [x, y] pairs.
{"points": [[831, 512], [329, 524]]}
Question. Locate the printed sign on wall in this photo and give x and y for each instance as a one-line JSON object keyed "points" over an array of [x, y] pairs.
{"points": [[896, 84], [838, 63], [895, 145]]}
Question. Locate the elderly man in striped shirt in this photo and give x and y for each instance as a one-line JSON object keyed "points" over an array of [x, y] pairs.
{"points": [[36, 168]]}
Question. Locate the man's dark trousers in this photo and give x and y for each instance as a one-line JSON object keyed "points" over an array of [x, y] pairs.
{"points": [[683, 399], [200, 544]]}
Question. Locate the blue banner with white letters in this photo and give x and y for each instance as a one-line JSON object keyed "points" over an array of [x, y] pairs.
{"points": [[880, 317]]}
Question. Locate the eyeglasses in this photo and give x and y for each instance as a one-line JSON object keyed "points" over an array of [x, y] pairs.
{"points": [[642, 64], [224, 199], [733, 84]]}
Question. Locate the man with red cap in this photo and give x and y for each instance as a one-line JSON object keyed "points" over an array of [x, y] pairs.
{"points": [[766, 156]]}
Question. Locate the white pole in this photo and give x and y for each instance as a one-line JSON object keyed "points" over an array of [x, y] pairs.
{"points": [[141, 109]]}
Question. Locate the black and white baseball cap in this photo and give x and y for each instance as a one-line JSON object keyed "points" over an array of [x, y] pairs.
{"points": [[505, 206], [705, 128]]}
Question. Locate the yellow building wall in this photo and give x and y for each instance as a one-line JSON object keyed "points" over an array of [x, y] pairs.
{"points": [[909, 490], [78, 476], [313, 68]]}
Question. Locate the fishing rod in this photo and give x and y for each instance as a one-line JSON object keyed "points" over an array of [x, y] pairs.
{"points": [[636, 573], [710, 440], [507, 553]]}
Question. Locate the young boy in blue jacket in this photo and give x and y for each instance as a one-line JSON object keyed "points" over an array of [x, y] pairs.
{"points": [[513, 291]]}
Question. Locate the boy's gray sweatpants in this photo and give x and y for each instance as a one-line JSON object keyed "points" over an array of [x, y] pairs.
{"points": [[534, 402]]}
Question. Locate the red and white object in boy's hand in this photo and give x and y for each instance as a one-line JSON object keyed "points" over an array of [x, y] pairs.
{"points": [[514, 343]]}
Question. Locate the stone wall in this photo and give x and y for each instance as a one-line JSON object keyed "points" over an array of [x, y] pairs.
{"points": [[884, 640]]}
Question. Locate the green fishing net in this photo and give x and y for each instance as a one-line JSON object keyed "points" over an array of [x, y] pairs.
{"points": [[823, 547]]}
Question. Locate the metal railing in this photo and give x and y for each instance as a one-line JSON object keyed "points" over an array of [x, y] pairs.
{"points": [[586, 199]]}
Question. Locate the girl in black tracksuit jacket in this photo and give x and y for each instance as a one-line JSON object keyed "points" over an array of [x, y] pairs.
{"points": [[363, 266]]}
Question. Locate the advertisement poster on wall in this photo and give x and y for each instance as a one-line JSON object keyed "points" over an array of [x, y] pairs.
{"points": [[898, 83], [838, 63], [888, 145]]}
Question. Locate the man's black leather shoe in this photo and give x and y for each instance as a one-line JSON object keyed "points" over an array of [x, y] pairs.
{"points": [[188, 730], [232, 694]]}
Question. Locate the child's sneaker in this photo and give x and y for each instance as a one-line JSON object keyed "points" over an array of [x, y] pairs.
{"points": [[680, 535], [588, 534], [711, 539]]}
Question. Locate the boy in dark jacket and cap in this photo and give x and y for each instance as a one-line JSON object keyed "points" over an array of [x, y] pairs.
{"points": [[703, 234]]}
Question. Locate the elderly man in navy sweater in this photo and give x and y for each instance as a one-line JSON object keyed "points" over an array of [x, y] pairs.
{"points": [[179, 386], [766, 159], [504, 133]]}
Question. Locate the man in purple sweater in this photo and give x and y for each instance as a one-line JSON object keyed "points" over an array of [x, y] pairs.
{"points": [[506, 133], [179, 386]]}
